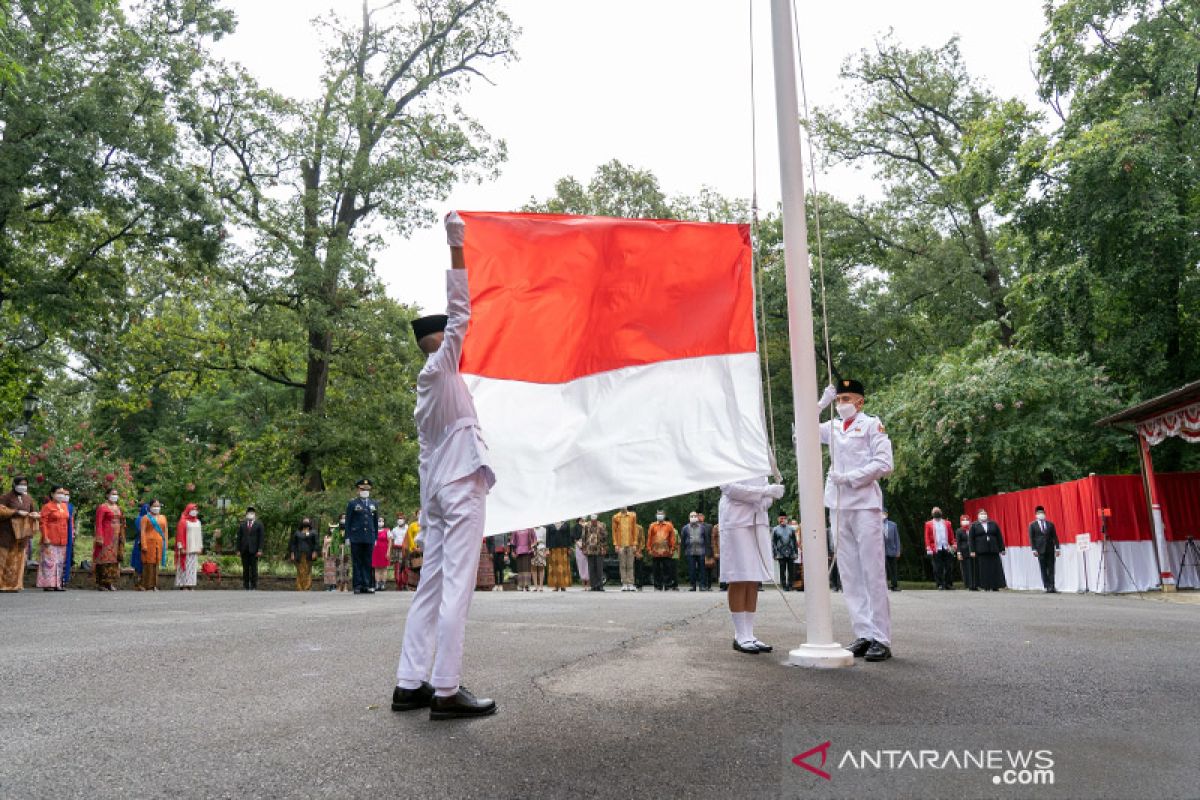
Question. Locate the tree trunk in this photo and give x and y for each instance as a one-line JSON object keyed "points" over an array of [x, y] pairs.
{"points": [[320, 345], [991, 276]]}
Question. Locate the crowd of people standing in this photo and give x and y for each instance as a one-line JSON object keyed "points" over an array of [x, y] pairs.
{"points": [[553, 557]]}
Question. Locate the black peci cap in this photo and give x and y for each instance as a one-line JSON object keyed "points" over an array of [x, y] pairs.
{"points": [[851, 386], [434, 323]]}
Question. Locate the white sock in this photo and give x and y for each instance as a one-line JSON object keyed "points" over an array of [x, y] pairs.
{"points": [[739, 626], [409, 685], [445, 692], [749, 616]]}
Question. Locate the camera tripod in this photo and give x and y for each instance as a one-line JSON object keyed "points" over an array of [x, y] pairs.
{"points": [[1107, 546], [1189, 549]]}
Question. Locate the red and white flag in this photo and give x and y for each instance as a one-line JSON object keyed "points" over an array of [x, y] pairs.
{"points": [[612, 361]]}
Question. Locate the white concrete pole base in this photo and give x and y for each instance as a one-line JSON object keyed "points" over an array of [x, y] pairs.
{"points": [[821, 656]]}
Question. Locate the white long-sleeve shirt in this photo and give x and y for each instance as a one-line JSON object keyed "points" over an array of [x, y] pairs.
{"points": [[452, 445], [744, 504]]}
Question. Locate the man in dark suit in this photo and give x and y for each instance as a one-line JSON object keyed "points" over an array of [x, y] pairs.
{"points": [[250, 538], [987, 543], [1043, 538]]}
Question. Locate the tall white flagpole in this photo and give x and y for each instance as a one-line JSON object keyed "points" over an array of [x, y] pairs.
{"points": [[820, 650]]}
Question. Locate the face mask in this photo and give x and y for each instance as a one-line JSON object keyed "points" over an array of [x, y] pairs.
{"points": [[660, 517], [249, 518], [937, 515], [21, 489], [60, 497], [846, 410], [112, 498], [400, 523], [155, 510], [592, 517], [193, 513], [1041, 515], [983, 517], [364, 494], [693, 519]]}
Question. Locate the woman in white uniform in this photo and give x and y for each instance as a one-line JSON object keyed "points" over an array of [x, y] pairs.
{"points": [[746, 554]]}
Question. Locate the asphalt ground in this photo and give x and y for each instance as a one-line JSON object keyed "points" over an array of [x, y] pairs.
{"points": [[616, 695]]}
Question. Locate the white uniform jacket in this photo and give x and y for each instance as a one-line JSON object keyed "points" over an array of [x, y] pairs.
{"points": [[452, 446], [863, 453], [744, 504]]}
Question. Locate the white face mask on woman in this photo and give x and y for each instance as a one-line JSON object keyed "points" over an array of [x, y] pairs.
{"points": [[155, 511], [112, 498], [193, 513], [660, 517], [61, 498], [22, 489]]}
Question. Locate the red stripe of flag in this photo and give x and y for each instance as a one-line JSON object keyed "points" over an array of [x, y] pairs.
{"points": [[556, 298]]}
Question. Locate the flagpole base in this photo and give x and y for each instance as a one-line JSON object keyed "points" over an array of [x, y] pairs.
{"points": [[821, 656]]}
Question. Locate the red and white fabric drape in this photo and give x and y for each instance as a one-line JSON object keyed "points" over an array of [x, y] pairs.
{"points": [[1184, 423]]}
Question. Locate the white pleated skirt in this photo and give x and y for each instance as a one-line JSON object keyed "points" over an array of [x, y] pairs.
{"points": [[745, 554]]}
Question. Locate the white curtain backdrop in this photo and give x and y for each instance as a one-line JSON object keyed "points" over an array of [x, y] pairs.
{"points": [[1139, 573]]}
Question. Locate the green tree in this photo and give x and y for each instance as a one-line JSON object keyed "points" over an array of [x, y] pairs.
{"points": [[308, 179], [944, 150], [1112, 221], [92, 183], [616, 190]]}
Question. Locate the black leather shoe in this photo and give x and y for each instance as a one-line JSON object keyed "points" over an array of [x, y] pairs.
{"points": [[878, 652], [460, 705], [751, 649], [412, 699], [858, 648], [763, 648]]}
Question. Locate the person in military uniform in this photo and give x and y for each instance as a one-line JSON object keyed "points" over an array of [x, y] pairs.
{"points": [[860, 454], [362, 528], [455, 479]]}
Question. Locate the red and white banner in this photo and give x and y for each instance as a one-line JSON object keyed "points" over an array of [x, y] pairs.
{"points": [[1183, 422], [612, 361]]}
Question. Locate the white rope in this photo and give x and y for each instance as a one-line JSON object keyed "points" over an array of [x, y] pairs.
{"points": [[756, 265]]}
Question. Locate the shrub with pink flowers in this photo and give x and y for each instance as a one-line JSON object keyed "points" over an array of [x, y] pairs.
{"points": [[81, 462]]}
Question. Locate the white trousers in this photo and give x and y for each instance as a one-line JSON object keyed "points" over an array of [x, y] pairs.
{"points": [[454, 520], [863, 571]]}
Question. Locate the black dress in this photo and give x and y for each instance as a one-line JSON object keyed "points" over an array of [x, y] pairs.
{"points": [[987, 542]]}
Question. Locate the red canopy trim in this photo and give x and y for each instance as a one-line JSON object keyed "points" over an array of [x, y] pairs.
{"points": [[1184, 423]]}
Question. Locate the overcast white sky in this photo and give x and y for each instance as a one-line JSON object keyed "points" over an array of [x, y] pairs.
{"points": [[659, 84]]}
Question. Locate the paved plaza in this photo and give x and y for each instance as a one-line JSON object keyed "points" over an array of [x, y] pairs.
{"points": [[616, 695]]}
